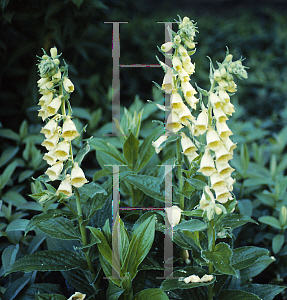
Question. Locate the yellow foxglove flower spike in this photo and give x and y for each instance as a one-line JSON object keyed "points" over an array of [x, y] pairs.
{"points": [[223, 196], [224, 170], [54, 171], [69, 131], [65, 187], [77, 176]]}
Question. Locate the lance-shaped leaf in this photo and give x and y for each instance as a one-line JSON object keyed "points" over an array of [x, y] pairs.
{"points": [[221, 258], [49, 260], [141, 241], [237, 295], [190, 225], [131, 149], [152, 293], [264, 291]]}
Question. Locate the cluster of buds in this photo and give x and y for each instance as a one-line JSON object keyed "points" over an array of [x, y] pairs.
{"points": [[55, 88], [209, 123], [197, 279]]}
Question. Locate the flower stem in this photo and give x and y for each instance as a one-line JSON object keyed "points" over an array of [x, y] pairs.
{"points": [[211, 245], [84, 234], [179, 174]]}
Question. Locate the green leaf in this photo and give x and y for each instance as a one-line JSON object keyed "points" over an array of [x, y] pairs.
{"points": [[15, 198], [9, 255], [113, 292], [260, 264], [244, 158], [31, 290], [198, 184], [255, 181], [141, 241], [237, 295], [59, 228], [25, 174], [221, 258], [7, 173], [146, 150], [50, 297], [15, 288], [148, 184], [235, 220], [9, 134], [7, 155], [131, 149], [104, 146], [191, 225], [49, 260], [82, 152], [264, 291], [101, 173], [19, 224], [244, 257], [152, 293], [91, 189], [269, 220], [175, 280], [277, 243]]}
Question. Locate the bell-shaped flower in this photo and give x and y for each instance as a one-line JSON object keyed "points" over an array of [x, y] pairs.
{"points": [[224, 170], [68, 85], [217, 182], [77, 296], [213, 141], [182, 51], [176, 102], [223, 196], [214, 100], [201, 123], [158, 142], [191, 156], [219, 115], [173, 123], [54, 171], [167, 84], [51, 142], [57, 77], [65, 187], [42, 81], [188, 90], [46, 99], [223, 84], [50, 158], [188, 67], [46, 87], [229, 145], [228, 108], [189, 44], [222, 155], [166, 46], [207, 167], [54, 106], [62, 150], [223, 130], [232, 87], [50, 128], [185, 117], [78, 178], [192, 101], [224, 97], [176, 63], [187, 145], [230, 181], [43, 113], [183, 76], [69, 131], [173, 215]]}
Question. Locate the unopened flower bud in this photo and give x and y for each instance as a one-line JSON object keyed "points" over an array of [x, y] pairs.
{"points": [[54, 52], [166, 46], [177, 39], [173, 215], [68, 85]]}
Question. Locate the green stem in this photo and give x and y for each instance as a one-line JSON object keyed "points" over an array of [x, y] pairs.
{"points": [[179, 174], [84, 235], [211, 245]]}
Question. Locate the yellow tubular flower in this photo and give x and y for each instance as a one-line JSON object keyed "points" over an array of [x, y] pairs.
{"points": [[223, 196], [166, 46], [43, 112], [201, 123], [185, 116], [219, 115], [51, 142], [188, 90], [54, 106], [65, 187], [222, 155], [223, 130], [62, 151], [176, 102], [207, 167], [46, 88], [68, 85], [46, 99], [224, 170], [69, 131], [213, 141], [224, 97], [50, 128], [229, 145], [157, 143], [189, 67], [173, 215], [167, 82], [228, 108], [57, 77], [50, 158], [182, 51], [54, 171], [173, 123], [214, 100], [77, 176], [191, 156], [183, 76], [187, 145], [217, 182], [43, 81], [176, 63]]}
